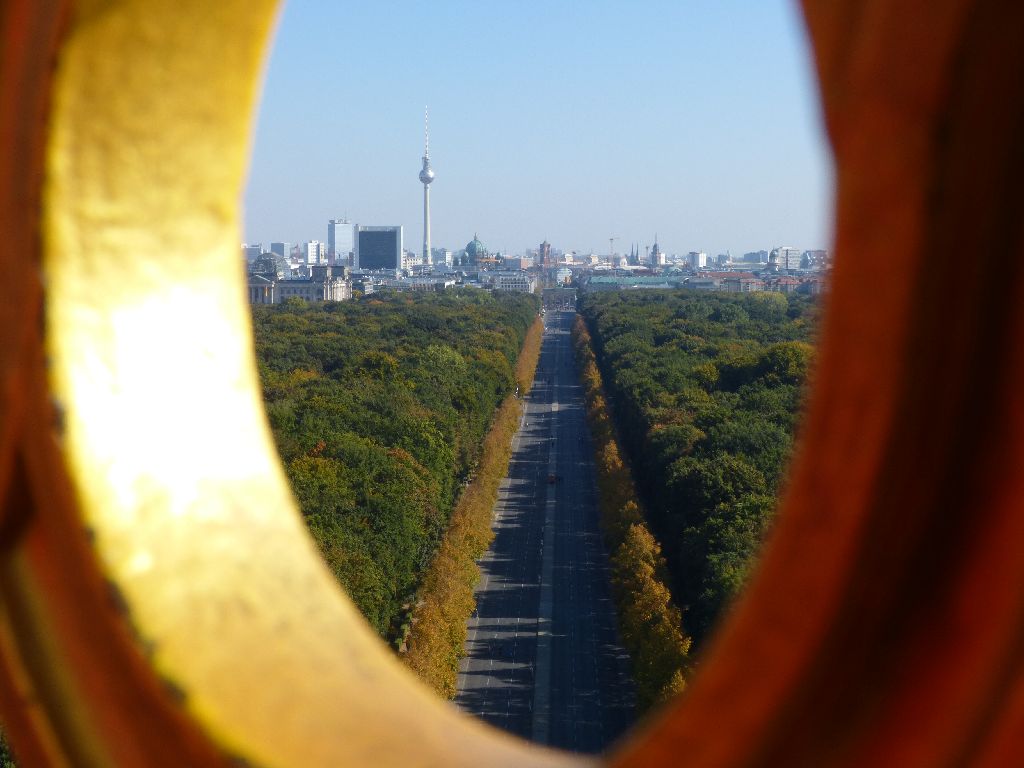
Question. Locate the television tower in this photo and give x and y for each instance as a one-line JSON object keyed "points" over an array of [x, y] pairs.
{"points": [[426, 176]]}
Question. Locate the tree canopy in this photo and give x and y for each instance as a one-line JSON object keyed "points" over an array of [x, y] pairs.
{"points": [[379, 408], [706, 392]]}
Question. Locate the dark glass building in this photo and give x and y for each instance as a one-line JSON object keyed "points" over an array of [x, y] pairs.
{"points": [[378, 248]]}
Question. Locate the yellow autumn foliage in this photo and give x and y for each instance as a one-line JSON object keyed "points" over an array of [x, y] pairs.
{"points": [[445, 598], [649, 620], [526, 365]]}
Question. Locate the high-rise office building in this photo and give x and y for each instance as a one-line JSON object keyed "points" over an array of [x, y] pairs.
{"points": [[283, 250], [426, 176], [378, 248], [340, 241], [314, 252], [790, 258], [441, 257], [785, 258], [251, 251]]}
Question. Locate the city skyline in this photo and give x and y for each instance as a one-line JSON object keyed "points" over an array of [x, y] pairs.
{"points": [[706, 129]]}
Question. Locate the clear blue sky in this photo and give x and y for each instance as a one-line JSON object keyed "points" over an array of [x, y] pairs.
{"points": [[571, 121]]}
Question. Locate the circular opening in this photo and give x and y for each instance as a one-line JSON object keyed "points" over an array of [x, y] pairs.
{"points": [[670, 169]]}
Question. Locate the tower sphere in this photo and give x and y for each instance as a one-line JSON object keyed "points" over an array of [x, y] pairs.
{"points": [[427, 174]]}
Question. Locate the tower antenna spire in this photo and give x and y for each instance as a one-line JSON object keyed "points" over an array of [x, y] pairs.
{"points": [[426, 131]]}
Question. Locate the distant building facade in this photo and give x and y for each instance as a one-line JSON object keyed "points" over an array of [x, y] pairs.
{"points": [[416, 284], [515, 282], [324, 284], [314, 252], [251, 251], [656, 256], [441, 257], [544, 254], [786, 258], [742, 284], [378, 248], [783, 284], [630, 282], [697, 260], [517, 262], [340, 241]]}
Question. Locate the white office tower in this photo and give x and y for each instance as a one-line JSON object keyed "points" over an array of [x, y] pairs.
{"points": [[790, 258], [697, 260], [314, 251], [426, 176]]}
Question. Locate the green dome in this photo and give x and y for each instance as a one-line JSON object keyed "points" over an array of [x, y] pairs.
{"points": [[475, 249]]}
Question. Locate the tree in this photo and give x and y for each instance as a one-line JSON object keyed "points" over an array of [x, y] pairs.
{"points": [[379, 409], [704, 392]]}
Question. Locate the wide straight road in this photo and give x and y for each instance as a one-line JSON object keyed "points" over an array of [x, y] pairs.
{"points": [[542, 657]]}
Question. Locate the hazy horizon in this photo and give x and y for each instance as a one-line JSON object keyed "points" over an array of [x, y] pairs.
{"points": [[696, 122]]}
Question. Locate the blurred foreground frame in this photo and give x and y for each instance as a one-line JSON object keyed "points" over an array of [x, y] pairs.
{"points": [[160, 603]]}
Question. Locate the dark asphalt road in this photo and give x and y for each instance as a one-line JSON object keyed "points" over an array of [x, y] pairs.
{"points": [[543, 658]]}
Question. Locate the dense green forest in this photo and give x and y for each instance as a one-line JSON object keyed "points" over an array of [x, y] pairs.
{"points": [[438, 627], [706, 392], [379, 408]]}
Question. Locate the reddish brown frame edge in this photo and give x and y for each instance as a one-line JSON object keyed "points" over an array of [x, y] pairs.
{"points": [[886, 624]]}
